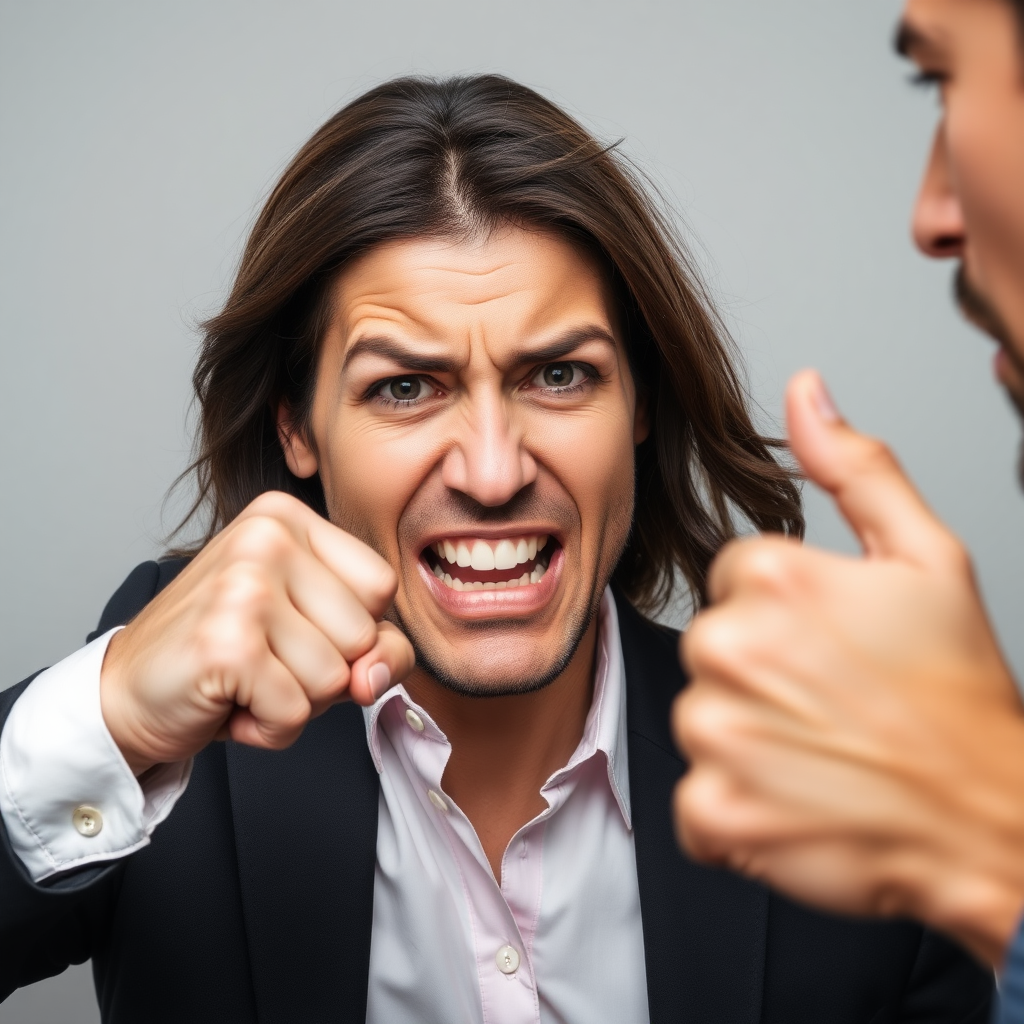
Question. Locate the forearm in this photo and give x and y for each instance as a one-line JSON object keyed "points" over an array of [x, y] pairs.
{"points": [[46, 926], [67, 797]]}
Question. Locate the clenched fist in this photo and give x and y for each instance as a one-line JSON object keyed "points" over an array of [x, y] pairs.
{"points": [[275, 620], [854, 734]]}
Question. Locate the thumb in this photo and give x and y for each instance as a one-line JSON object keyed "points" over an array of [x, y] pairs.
{"points": [[388, 662], [868, 485]]}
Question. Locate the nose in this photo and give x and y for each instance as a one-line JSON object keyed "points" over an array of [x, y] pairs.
{"points": [[488, 461], [938, 223]]}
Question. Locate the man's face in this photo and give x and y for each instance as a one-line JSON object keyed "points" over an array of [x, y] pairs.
{"points": [[475, 420], [971, 203]]}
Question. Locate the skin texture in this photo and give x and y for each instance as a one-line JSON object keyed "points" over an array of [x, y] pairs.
{"points": [[853, 729], [485, 447]]}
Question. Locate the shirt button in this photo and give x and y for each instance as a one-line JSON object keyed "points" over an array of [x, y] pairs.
{"points": [[87, 820], [414, 720], [437, 800], [507, 960]]}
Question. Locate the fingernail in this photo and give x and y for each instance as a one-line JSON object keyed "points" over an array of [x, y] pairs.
{"points": [[823, 401], [379, 678]]}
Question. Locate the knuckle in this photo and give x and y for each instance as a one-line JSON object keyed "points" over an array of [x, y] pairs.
{"points": [[226, 644], [275, 504], [244, 590], [294, 720], [364, 634], [767, 566], [875, 456], [261, 538], [336, 680], [713, 645], [701, 724], [290, 720], [383, 582]]}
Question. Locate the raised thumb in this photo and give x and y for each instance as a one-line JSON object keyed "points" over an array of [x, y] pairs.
{"points": [[868, 485]]}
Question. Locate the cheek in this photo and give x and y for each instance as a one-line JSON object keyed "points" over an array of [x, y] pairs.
{"points": [[592, 457], [369, 476], [988, 167]]}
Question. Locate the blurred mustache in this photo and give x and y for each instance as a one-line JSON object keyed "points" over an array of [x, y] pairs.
{"points": [[977, 308]]}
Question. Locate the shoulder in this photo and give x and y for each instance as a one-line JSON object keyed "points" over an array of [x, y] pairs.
{"points": [[651, 646], [650, 656], [142, 584]]}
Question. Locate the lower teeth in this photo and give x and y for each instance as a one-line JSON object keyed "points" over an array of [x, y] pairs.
{"points": [[525, 580]]}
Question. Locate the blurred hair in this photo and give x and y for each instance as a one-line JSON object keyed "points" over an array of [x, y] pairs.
{"points": [[421, 157], [1018, 7]]}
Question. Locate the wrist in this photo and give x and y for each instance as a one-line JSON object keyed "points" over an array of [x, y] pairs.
{"points": [[112, 707], [969, 881]]}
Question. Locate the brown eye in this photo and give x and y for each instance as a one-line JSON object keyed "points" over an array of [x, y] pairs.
{"points": [[405, 389], [558, 375]]}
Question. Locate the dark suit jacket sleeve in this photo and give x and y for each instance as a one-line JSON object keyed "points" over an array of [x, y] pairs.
{"points": [[45, 927]]}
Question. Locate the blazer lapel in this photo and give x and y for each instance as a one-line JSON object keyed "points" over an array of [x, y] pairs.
{"points": [[305, 823], [704, 929]]}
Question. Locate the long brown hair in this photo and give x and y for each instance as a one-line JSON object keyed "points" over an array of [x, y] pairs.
{"points": [[416, 157]]}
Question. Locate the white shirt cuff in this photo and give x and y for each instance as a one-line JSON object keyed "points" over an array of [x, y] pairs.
{"points": [[67, 795]]}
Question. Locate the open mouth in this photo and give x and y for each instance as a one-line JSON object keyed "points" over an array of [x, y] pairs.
{"points": [[477, 563]]}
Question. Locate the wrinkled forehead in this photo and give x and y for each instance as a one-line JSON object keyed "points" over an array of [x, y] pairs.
{"points": [[504, 287]]}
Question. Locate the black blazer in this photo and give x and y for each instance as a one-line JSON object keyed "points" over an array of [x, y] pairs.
{"points": [[254, 901]]}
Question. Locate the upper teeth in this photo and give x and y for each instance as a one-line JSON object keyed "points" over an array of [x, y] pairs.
{"points": [[481, 554]]}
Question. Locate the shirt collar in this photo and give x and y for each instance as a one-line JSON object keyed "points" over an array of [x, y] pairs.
{"points": [[605, 728]]}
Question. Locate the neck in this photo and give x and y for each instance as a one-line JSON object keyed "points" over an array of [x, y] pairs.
{"points": [[505, 748]]}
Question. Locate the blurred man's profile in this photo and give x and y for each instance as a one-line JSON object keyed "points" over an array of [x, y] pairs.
{"points": [[855, 734]]}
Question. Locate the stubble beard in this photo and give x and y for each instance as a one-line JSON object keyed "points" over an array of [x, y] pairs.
{"points": [[453, 674], [981, 312], [466, 685]]}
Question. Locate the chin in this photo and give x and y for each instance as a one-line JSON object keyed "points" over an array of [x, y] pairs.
{"points": [[494, 666]]}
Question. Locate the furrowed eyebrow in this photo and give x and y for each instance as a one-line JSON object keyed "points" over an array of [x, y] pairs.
{"points": [[398, 353], [565, 343], [410, 359]]}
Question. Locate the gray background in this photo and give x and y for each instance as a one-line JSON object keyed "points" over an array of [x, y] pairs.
{"points": [[138, 139]]}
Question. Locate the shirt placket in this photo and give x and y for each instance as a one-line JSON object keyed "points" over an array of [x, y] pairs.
{"points": [[503, 919]]}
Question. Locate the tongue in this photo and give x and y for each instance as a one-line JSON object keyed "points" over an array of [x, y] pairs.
{"points": [[470, 575]]}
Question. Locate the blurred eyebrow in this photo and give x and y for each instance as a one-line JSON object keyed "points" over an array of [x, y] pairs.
{"points": [[411, 359], [909, 39]]}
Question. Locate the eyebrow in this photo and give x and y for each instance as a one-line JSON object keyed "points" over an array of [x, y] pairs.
{"points": [[398, 353], [410, 359], [908, 38]]}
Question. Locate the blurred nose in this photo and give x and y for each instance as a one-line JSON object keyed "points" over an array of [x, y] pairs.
{"points": [[938, 224], [488, 461]]}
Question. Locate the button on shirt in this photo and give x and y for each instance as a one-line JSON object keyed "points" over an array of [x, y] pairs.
{"points": [[559, 939]]}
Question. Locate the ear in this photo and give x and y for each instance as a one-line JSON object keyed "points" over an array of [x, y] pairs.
{"points": [[641, 421], [301, 459]]}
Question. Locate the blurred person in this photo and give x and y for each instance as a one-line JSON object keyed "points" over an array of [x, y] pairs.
{"points": [[466, 406], [854, 732]]}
